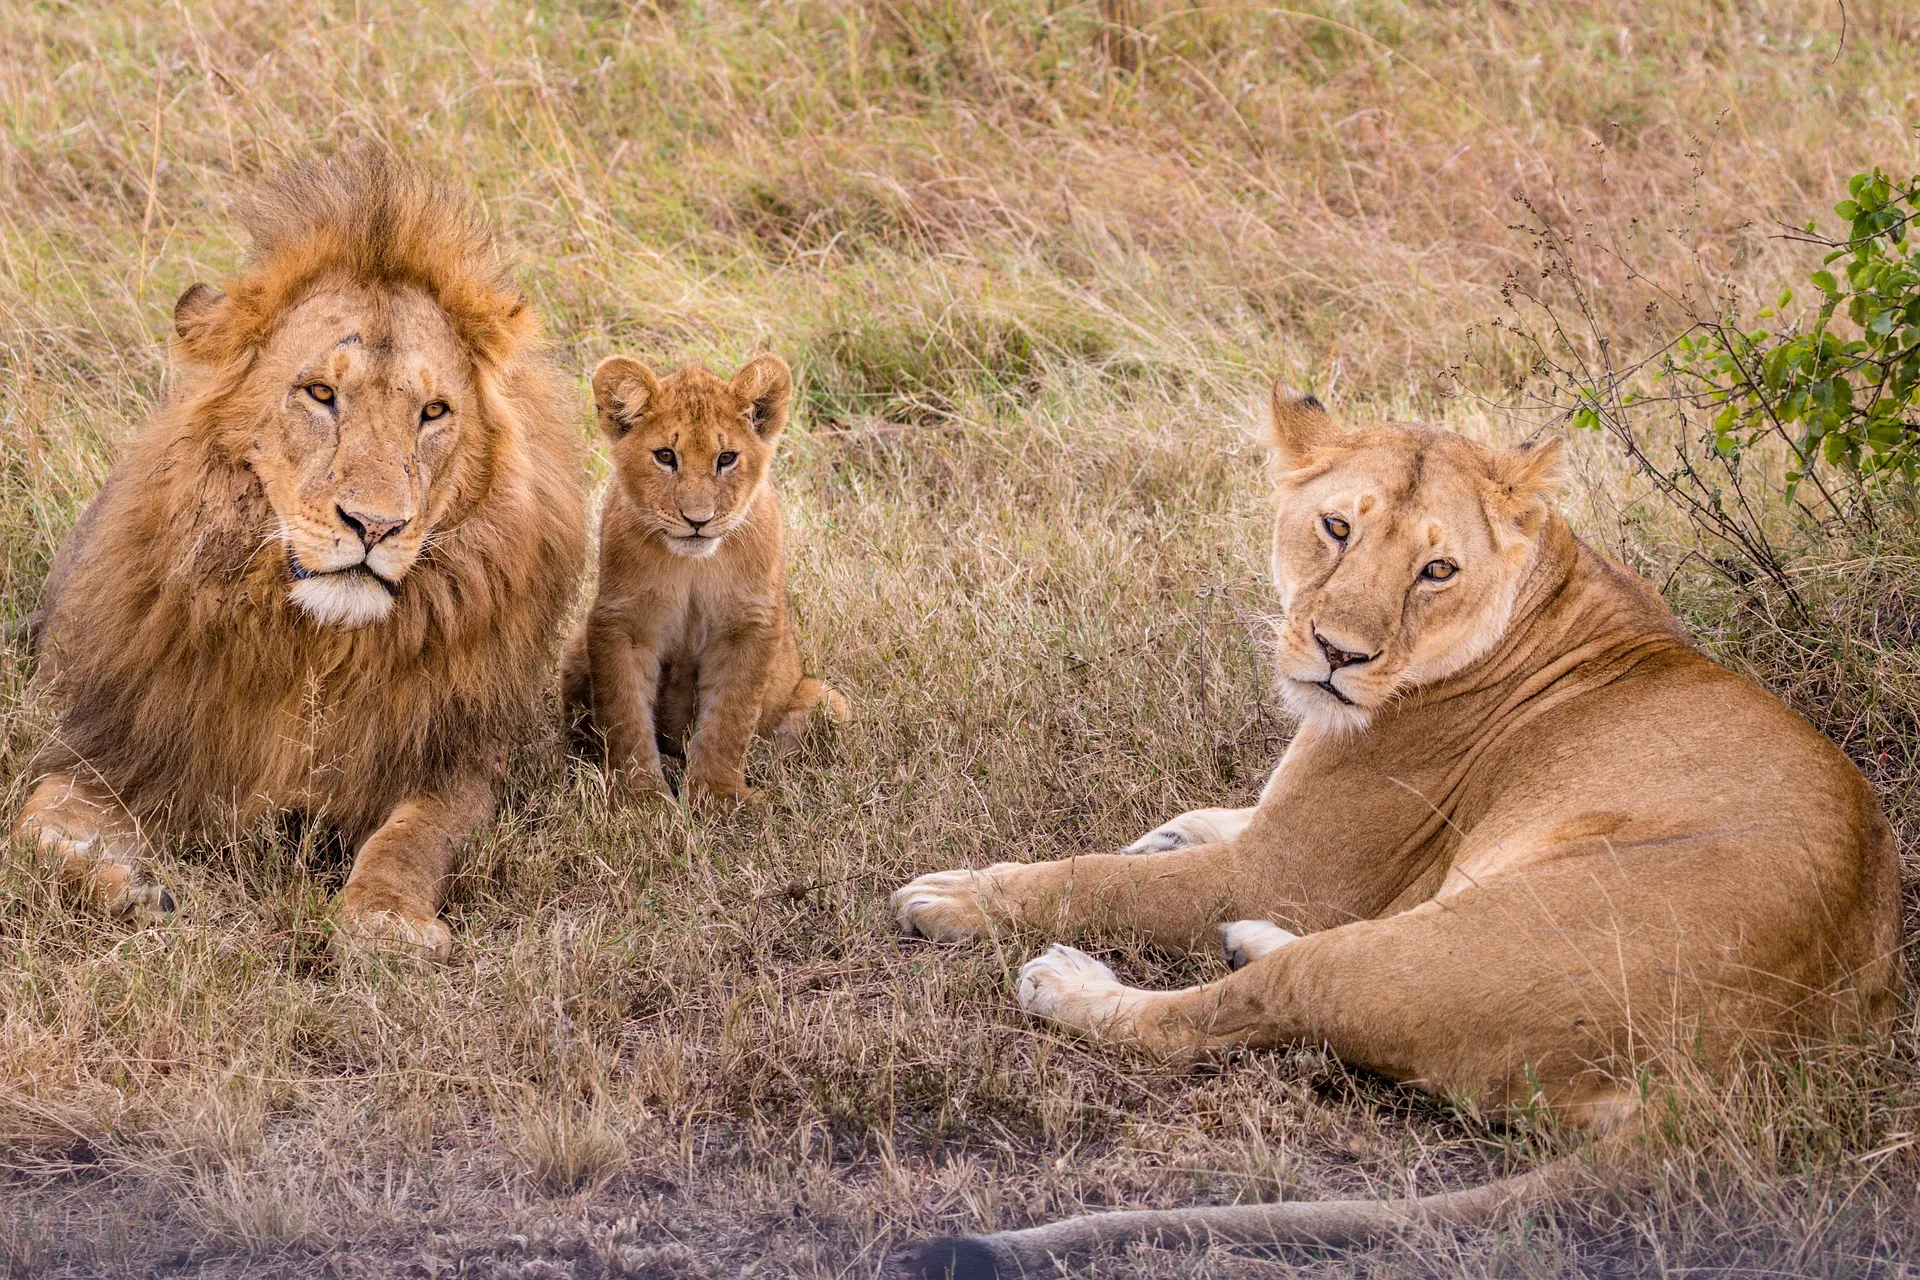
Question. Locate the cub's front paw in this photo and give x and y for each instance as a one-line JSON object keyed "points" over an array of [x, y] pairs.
{"points": [[720, 793], [362, 927], [948, 906], [638, 789], [1068, 986]]}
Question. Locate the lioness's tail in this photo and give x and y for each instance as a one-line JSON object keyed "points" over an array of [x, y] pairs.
{"points": [[1008, 1254]]}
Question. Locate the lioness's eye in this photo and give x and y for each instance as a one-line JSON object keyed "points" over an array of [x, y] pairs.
{"points": [[664, 457], [1336, 528], [437, 409], [320, 391], [726, 460], [1439, 571]]}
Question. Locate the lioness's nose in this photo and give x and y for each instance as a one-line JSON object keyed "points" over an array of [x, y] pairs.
{"points": [[371, 528], [1338, 657]]}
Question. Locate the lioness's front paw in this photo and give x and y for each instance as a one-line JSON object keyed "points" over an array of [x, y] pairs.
{"points": [[1068, 986], [391, 932], [1244, 941], [944, 906]]}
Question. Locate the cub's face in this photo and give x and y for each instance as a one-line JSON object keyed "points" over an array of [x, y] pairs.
{"points": [[1398, 552], [691, 450], [363, 405]]}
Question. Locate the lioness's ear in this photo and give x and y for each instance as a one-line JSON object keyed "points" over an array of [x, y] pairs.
{"points": [[767, 385], [1300, 423], [196, 319], [1527, 480], [622, 390]]}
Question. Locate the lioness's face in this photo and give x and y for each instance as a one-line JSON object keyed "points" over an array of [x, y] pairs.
{"points": [[692, 450], [1397, 553], [365, 397]]}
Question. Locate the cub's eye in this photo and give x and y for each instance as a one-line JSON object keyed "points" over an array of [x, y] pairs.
{"points": [[665, 458], [321, 392], [725, 460], [1440, 571], [437, 409], [1336, 528]]}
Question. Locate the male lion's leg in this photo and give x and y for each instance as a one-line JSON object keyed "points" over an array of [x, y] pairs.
{"points": [[1172, 899], [1198, 826], [99, 845], [393, 894]]}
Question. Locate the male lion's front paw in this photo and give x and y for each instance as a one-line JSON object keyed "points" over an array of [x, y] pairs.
{"points": [[391, 932], [1244, 941], [124, 893], [1068, 986], [946, 906]]}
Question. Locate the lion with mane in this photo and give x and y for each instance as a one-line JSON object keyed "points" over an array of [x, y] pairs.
{"points": [[328, 577]]}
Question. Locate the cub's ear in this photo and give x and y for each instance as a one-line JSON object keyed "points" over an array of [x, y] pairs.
{"points": [[767, 385], [197, 318], [1528, 479], [622, 390], [1300, 425]]}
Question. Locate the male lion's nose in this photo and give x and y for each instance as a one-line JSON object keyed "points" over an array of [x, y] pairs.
{"points": [[371, 528], [1338, 657]]}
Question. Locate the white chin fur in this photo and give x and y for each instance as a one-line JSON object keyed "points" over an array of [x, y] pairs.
{"points": [[1317, 707], [342, 599], [694, 548]]}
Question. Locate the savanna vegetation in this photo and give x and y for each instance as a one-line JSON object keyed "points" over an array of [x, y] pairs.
{"points": [[1034, 264]]}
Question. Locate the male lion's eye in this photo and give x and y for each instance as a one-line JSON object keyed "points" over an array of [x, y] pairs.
{"points": [[665, 458], [726, 460], [1439, 571], [438, 409], [1336, 528], [320, 391]]}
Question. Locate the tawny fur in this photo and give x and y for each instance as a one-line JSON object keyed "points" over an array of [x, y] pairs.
{"points": [[690, 631], [197, 694], [1531, 839]]}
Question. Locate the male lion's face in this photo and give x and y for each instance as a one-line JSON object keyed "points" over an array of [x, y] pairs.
{"points": [[364, 397], [690, 449], [1398, 552]]}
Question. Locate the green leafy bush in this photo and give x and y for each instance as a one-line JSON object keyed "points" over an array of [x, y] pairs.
{"points": [[1851, 403]]}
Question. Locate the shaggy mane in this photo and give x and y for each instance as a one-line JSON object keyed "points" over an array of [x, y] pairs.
{"points": [[374, 220]]}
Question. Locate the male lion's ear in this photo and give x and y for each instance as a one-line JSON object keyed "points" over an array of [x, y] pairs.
{"points": [[622, 390], [196, 319], [1300, 424], [767, 385]]}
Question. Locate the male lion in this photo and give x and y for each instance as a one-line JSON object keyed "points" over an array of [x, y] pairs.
{"points": [[1525, 837], [690, 630], [327, 577]]}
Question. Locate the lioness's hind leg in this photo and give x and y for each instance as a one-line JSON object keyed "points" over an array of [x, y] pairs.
{"points": [[1244, 941], [1198, 826], [790, 722], [99, 846]]}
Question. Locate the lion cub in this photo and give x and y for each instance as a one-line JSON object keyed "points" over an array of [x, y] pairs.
{"points": [[690, 628]]}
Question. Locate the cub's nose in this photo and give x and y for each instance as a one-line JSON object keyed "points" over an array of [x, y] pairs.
{"points": [[699, 524], [1338, 657], [371, 529]]}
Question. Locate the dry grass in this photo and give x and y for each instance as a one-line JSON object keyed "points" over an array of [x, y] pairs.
{"points": [[1032, 262]]}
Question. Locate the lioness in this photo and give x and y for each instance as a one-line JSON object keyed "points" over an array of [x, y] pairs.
{"points": [[689, 630], [1524, 837], [328, 576]]}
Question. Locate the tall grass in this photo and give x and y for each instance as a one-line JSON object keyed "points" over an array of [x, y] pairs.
{"points": [[1033, 263]]}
